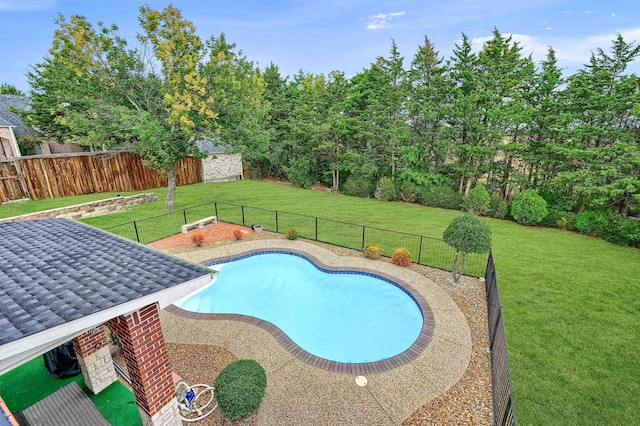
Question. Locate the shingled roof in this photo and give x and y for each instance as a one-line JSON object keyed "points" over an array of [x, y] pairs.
{"points": [[57, 272], [9, 118]]}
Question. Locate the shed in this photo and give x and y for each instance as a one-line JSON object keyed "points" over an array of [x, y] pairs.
{"points": [[219, 165]]}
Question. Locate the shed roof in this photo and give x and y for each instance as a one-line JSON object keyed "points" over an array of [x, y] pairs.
{"points": [[7, 102], [59, 278]]}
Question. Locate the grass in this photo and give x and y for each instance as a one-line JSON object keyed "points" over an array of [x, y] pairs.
{"points": [[570, 301], [24, 386]]}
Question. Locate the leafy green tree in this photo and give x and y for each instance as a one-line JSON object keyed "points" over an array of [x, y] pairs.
{"points": [[528, 207], [478, 201], [10, 89], [467, 234]]}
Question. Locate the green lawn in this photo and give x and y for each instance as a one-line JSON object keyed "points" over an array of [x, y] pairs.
{"points": [[571, 302], [24, 386]]}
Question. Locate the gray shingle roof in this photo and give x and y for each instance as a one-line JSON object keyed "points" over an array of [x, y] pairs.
{"points": [[19, 102], [53, 271]]}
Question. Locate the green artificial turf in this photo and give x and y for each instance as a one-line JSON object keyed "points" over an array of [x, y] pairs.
{"points": [[570, 302], [24, 386]]}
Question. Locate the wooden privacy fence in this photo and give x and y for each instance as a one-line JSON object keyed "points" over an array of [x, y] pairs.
{"points": [[52, 176]]}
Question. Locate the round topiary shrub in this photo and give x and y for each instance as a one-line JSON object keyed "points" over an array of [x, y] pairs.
{"points": [[467, 234], [528, 207], [239, 388], [478, 201], [358, 186], [372, 251], [291, 234], [386, 190], [401, 257]]}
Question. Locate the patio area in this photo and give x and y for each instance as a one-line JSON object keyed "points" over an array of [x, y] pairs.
{"points": [[449, 382]]}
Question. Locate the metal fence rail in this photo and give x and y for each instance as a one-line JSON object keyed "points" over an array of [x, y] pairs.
{"points": [[424, 250], [504, 409]]}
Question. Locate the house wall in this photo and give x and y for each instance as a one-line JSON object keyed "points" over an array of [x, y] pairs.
{"points": [[222, 167]]}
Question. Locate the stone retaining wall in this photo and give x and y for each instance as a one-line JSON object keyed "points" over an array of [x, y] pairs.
{"points": [[94, 208]]}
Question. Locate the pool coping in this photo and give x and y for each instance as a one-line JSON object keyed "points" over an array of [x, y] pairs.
{"points": [[407, 356]]}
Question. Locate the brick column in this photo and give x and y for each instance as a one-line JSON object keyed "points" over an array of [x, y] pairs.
{"points": [[94, 357], [148, 364]]}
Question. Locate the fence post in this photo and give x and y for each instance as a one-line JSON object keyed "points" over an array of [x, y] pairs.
{"points": [[184, 214], [135, 226], [242, 215], [363, 228], [277, 221], [316, 228], [215, 205], [420, 251]]}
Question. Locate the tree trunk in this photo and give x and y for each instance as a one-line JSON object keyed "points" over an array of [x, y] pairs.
{"points": [[468, 187], [454, 268], [336, 180], [463, 263], [171, 188]]}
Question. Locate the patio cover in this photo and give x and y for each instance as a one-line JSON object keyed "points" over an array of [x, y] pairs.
{"points": [[60, 278]]}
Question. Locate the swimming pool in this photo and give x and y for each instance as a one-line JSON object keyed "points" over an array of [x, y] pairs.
{"points": [[343, 316]]}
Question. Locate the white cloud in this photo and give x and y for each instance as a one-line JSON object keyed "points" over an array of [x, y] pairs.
{"points": [[381, 20], [571, 53], [26, 5], [548, 28]]}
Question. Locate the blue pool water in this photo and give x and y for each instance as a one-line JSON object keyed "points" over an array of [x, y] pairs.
{"points": [[344, 317]]}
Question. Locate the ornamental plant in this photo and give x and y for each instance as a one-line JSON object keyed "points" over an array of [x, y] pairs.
{"points": [[291, 234], [372, 251], [478, 201], [467, 234], [240, 388], [197, 238], [238, 234], [529, 207], [401, 257]]}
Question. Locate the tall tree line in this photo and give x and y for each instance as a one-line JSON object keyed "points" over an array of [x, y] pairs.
{"points": [[490, 116]]}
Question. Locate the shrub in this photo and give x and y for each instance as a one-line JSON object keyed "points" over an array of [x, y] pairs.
{"points": [[407, 191], [240, 388], [440, 196], [528, 207], [197, 238], [372, 251], [401, 257], [291, 234], [559, 219], [238, 234], [386, 190], [467, 234], [592, 222], [478, 201], [358, 186], [498, 208]]}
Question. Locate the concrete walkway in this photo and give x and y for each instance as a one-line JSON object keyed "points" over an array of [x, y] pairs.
{"points": [[298, 393]]}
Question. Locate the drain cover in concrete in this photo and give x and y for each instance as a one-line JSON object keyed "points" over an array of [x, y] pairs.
{"points": [[361, 381]]}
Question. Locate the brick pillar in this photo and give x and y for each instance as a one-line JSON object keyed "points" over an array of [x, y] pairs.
{"points": [[148, 364], [94, 357]]}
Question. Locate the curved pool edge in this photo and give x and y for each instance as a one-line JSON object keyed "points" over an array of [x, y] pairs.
{"points": [[407, 356]]}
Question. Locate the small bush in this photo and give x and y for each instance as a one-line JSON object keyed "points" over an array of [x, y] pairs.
{"points": [[440, 196], [291, 234], [401, 257], [528, 207], [240, 388], [197, 238], [372, 251], [408, 192], [499, 208], [386, 190], [559, 219], [478, 201], [358, 186], [592, 222], [238, 234]]}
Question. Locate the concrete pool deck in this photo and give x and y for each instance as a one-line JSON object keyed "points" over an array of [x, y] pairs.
{"points": [[299, 393]]}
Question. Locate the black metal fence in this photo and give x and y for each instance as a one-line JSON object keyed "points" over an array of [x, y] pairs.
{"points": [[424, 250], [504, 409]]}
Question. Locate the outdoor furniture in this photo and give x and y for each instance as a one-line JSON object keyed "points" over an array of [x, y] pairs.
{"points": [[199, 224]]}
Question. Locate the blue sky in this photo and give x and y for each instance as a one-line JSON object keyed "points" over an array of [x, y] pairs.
{"points": [[347, 35]]}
